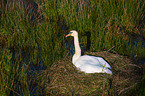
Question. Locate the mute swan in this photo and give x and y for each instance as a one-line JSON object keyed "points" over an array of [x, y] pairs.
{"points": [[86, 63]]}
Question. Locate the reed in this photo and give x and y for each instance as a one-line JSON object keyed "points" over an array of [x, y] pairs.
{"points": [[108, 22], [38, 44], [5, 66]]}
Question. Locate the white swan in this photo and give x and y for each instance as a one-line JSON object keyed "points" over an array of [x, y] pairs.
{"points": [[86, 63]]}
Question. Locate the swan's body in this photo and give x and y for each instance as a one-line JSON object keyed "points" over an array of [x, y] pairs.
{"points": [[86, 63]]}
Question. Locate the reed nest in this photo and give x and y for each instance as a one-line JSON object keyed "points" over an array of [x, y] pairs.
{"points": [[63, 78]]}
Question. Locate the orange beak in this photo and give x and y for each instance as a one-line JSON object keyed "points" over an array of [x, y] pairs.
{"points": [[68, 35]]}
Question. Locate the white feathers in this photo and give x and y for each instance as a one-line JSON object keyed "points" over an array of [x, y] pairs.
{"points": [[86, 63]]}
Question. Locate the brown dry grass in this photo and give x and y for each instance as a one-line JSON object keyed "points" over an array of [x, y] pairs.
{"points": [[64, 79]]}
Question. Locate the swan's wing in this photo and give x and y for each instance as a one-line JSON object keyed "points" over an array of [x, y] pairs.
{"points": [[103, 62], [88, 60], [90, 68], [94, 69], [94, 60], [92, 64]]}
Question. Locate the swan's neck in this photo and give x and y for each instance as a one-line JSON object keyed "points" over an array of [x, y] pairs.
{"points": [[77, 49]]}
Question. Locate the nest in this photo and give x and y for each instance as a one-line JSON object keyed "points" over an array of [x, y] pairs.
{"points": [[63, 78]]}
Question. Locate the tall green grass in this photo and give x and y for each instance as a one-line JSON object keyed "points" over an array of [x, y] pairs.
{"points": [[31, 45], [13, 75], [5, 66], [108, 22]]}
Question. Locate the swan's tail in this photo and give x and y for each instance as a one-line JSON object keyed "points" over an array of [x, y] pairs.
{"points": [[108, 71]]}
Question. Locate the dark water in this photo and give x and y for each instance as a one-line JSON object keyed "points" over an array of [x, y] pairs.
{"points": [[133, 41]]}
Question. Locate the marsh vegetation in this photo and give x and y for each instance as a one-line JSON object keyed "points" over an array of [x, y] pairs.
{"points": [[31, 42]]}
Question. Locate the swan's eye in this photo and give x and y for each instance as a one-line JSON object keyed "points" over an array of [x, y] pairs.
{"points": [[70, 32]]}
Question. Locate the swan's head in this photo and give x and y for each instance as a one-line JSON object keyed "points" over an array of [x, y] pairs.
{"points": [[72, 33]]}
